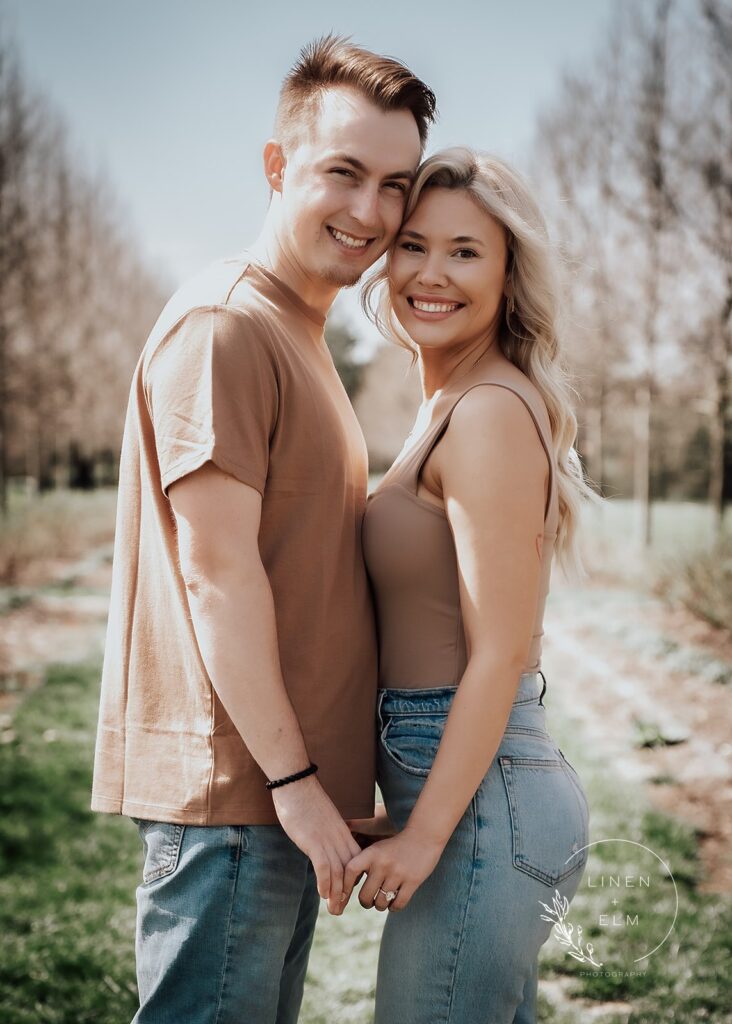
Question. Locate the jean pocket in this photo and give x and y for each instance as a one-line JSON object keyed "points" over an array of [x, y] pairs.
{"points": [[549, 823], [162, 841], [411, 741]]}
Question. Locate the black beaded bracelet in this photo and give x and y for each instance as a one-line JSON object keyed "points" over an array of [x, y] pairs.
{"points": [[293, 778]]}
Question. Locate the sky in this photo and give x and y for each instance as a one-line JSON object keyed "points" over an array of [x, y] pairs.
{"points": [[175, 98]]}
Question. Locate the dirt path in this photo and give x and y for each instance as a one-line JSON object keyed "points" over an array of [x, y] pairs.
{"points": [[651, 692], [62, 622]]}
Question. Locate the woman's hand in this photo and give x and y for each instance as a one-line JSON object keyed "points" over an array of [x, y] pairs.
{"points": [[398, 864], [369, 830]]}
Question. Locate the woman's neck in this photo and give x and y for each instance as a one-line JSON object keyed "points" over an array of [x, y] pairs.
{"points": [[439, 367]]}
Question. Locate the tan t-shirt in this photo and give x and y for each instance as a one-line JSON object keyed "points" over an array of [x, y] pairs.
{"points": [[236, 372]]}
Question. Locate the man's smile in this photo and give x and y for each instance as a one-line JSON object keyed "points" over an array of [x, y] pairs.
{"points": [[350, 242]]}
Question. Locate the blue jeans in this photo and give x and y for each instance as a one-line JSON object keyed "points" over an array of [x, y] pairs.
{"points": [[225, 921], [465, 948]]}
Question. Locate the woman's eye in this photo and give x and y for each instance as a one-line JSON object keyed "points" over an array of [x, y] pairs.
{"points": [[410, 247], [466, 253]]}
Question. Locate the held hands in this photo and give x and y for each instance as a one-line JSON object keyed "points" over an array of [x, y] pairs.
{"points": [[398, 864], [392, 862], [369, 830], [311, 820]]}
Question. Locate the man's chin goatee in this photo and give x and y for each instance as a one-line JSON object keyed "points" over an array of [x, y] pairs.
{"points": [[341, 277]]}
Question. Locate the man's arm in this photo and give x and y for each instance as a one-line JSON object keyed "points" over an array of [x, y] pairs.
{"points": [[233, 616]]}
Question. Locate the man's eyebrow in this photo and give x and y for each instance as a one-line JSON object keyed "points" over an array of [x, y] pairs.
{"points": [[458, 238], [360, 166]]}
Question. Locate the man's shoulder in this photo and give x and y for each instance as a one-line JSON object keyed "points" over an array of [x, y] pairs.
{"points": [[208, 289]]}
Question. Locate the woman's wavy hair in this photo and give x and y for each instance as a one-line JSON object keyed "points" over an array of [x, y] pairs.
{"points": [[529, 329]]}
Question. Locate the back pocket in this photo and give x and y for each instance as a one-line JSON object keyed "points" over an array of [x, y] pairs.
{"points": [[549, 824]]}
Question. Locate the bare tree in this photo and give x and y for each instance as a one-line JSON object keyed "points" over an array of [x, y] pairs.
{"points": [[76, 301], [699, 187], [574, 163]]}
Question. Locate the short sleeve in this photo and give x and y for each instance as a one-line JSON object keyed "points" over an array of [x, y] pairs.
{"points": [[212, 391]]}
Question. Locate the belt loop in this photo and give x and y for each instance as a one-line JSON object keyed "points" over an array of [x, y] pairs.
{"points": [[541, 695]]}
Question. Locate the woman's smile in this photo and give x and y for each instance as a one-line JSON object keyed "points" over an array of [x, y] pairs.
{"points": [[426, 307]]}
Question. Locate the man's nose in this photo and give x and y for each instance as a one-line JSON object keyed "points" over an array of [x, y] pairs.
{"points": [[365, 208]]}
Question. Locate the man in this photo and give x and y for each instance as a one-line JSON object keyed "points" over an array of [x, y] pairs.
{"points": [[240, 646]]}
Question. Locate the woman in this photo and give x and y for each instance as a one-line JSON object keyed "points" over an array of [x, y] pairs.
{"points": [[458, 539]]}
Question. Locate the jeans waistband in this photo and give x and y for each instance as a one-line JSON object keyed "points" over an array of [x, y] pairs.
{"points": [[405, 701]]}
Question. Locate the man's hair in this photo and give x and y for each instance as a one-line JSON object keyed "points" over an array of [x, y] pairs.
{"points": [[335, 61]]}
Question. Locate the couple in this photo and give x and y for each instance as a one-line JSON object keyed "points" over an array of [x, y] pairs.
{"points": [[243, 719]]}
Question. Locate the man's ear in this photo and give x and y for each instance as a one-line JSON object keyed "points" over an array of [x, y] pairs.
{"points": [[274, 165]]}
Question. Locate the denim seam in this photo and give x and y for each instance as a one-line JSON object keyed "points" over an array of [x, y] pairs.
{"points": [[227, 954], [576, 786], [450, 1004]]}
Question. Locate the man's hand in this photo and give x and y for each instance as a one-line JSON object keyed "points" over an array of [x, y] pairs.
{"points": [[399, 864], [367, 831], [311, 820]]}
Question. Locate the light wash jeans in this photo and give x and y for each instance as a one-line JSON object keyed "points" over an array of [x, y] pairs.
{"points": [[225, 922], [464, 950]]}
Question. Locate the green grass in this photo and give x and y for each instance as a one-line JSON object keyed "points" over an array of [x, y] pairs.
{"points": [[68, 876], [68, 880]]}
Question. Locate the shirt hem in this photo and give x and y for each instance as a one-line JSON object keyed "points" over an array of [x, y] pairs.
{"points": [[223, 816]]}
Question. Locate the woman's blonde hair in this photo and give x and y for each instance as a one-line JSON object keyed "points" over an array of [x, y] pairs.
{"points": [[529, 333]]}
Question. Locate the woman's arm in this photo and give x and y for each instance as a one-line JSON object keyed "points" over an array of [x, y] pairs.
{"points": [[493, 472]]}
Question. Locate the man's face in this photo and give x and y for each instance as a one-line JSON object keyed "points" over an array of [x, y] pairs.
{"points": [[345, 184]]}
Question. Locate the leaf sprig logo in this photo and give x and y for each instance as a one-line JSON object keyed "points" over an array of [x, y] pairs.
{"points": [[563, 930]]}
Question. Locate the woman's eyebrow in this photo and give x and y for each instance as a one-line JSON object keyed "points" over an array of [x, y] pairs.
{"points": [[458, 238]]}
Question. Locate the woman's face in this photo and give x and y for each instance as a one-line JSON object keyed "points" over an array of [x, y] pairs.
{"points": [[448, 270]]}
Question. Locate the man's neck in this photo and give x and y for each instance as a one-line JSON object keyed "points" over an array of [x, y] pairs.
{"points": [[313, 291]]}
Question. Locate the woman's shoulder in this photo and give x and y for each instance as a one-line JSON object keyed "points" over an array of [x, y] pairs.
{"points": [[499, 393]]}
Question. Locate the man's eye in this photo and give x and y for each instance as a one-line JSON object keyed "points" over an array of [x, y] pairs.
{"points": [[343, 170], [398, 185]]}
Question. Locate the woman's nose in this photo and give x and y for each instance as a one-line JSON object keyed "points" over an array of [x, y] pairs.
{"points": [[432, 273]]}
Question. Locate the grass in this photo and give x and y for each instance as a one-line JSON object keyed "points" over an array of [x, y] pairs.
{"points": [[68, 880], [68, 876]]}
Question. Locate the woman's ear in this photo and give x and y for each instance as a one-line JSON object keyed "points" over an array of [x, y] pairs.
{"points": [[274, 165]]}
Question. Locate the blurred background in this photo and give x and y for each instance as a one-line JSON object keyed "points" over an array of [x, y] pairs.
{"points": [[130, 142]]}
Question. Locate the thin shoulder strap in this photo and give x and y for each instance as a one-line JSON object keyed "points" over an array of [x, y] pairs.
{"points": [[412, 466]]}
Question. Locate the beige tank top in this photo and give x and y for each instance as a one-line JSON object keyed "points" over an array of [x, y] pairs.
{"points": [[410, 554]]}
